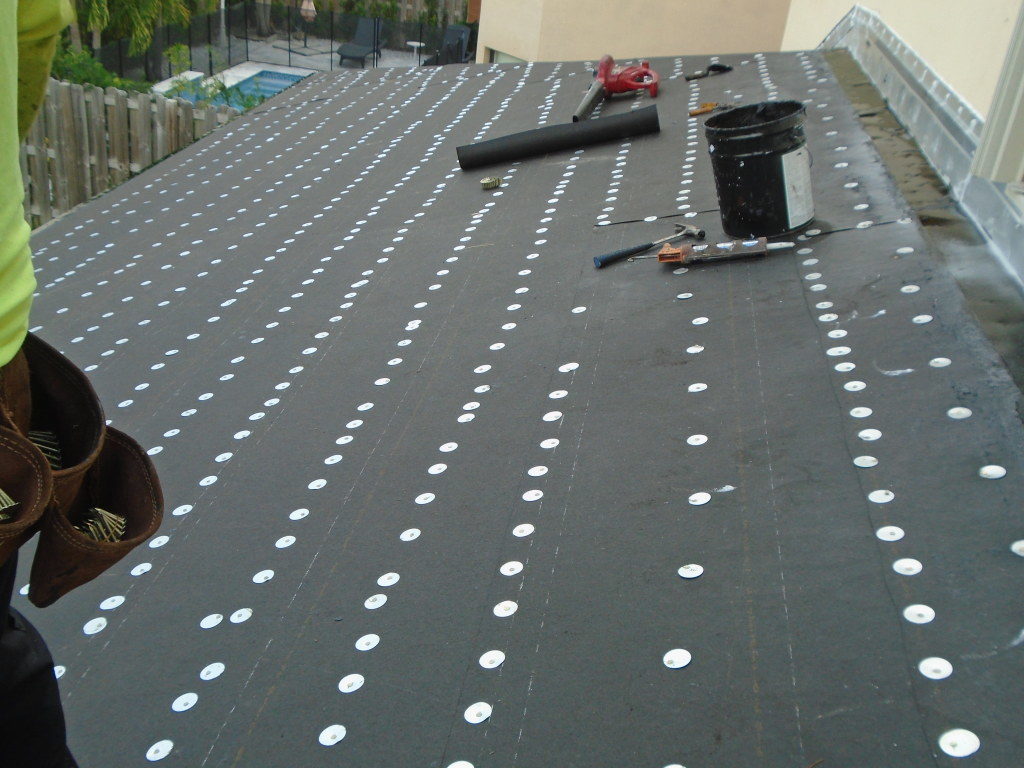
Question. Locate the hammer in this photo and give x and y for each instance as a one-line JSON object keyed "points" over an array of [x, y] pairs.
{"points": [[682, 230]]}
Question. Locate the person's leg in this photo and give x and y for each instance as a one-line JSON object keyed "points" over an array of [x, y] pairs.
{"points": [[32, 731]]}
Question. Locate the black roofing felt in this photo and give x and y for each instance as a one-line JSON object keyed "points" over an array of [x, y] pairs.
{"points": [[353, 365]]}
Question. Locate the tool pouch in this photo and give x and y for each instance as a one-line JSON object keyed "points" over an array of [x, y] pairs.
{"points": [[25, 480], [65, 405], [121, 479], [85, 466]]}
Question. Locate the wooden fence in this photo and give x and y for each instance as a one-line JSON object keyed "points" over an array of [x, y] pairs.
{"points": [[87, 140]]}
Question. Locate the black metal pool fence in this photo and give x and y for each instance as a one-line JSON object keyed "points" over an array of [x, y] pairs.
{"points": [[266, 33]]}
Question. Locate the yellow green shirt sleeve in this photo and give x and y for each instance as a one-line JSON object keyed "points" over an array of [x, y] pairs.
{"points": [[29, 31]]}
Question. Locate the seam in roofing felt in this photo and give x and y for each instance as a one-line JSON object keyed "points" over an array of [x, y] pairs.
{"points": [[775, 519], [565, 511], [883, 561], [664, 216]]}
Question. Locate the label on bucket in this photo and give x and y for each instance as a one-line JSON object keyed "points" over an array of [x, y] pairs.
{"points": [[796, 176]]}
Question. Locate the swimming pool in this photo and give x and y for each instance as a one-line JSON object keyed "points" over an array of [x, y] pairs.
{"points": [[267, 83], [262, 85]]}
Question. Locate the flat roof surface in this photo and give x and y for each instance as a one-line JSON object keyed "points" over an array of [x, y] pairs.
{"points": [[431, 477]]}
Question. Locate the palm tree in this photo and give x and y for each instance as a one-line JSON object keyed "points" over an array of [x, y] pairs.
{"points": [[94, 15], [133, 18]]}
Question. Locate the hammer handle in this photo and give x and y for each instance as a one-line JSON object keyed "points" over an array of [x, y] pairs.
{"points": [[625, 253]]}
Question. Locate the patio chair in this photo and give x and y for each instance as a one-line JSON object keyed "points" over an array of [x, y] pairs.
{"points": [[363, 43], [454, 47]]}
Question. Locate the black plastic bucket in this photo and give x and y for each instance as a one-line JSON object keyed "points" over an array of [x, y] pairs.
{"points": [[762, 168]]}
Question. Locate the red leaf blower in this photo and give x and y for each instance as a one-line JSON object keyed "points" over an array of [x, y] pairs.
{"points": [[609, 80]]}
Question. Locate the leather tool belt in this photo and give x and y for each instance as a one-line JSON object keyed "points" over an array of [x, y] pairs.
{"points": [[89, 490]]}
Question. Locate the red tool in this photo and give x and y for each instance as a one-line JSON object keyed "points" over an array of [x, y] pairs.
{"points": [[695, 253], [609, 80]]}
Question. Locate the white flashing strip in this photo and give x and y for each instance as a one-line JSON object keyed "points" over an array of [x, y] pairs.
{"points": [[938, 89], [945, 127]]}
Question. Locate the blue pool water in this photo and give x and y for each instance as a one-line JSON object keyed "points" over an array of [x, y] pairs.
{"points": [[265, 83]]}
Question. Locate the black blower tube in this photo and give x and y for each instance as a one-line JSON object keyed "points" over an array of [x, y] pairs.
{"points": [[554, 138]]}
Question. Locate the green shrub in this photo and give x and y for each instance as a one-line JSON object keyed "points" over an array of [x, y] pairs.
{"points": [[235, 97], [385, 9], [179, 57], [213, 90], [83, 67], [205, 89]]}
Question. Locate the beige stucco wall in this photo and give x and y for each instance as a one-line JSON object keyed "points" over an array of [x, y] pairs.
{"points": [[574, 30], [963, 42], [510, 26]]}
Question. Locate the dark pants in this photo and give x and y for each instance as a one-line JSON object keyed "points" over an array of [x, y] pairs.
{"points": [[31, 719]]}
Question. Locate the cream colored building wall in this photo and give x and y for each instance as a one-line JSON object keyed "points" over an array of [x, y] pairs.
{"points": [[963, 42], [510, 26], [574, 30]]}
